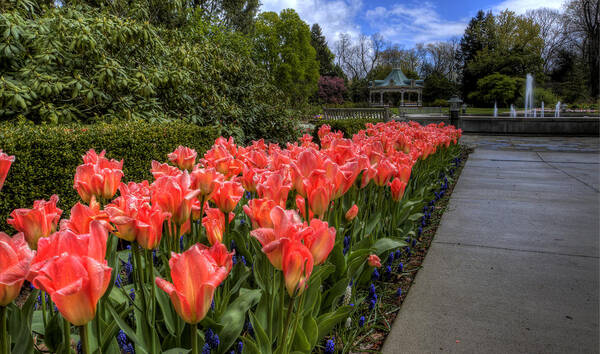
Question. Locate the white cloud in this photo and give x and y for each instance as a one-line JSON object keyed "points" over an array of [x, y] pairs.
{"points": [[521, 6], [334, 17], [413, 23]]}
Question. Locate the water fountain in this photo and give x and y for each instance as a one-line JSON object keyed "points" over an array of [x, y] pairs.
{"points": [[529, 95], [542, 110], [513, 113], [495, 110], [557, 110]]}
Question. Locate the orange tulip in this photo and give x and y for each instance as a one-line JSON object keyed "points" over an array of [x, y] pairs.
{"points": [[301, 205], [92, 244], [258, 210], [351, 213], [397, 186], [196, 274], [38, 222], [374, 261], [81, 217], [320, 241], [404, 172], [174, 195], [15, 259], [214, 222], [183, 157], [286, 225], [149, 225], [297, 263], [122, 212], [228, 195], [384, 172], [162, 169], [274, 187], [75, 285], [98, 177], [206, 180], [5, 162]]}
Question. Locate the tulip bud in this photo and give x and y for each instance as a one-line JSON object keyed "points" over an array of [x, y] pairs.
{"points": [[374, 261], [352, 212], [5, 162]]}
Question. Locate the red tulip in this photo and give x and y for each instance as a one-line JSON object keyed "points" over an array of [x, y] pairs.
{"points": [[214, 222], [206, 180], [297, 266], [38, 222], [320, 241], [5, 162], [301, 205], [351, 213], [249, 179], [15, 259], [286, 225], [228, 195], [183, 157], [98, 177], [259, 210], [397, 186], [75, 285], [162, 169], [374, 261], [196, 274], [174, 195]]}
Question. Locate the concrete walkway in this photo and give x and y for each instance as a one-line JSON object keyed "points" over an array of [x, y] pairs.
{"points": [[514, 267]]}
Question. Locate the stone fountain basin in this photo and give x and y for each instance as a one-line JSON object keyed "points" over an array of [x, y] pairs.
{"points": [[580, 126]]}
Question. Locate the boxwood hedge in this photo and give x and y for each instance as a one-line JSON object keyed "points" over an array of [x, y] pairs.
{"points": [[47, 156]]}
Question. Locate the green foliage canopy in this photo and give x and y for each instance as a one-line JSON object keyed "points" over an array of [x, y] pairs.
{"points": [[84, 64], [283, 45]]}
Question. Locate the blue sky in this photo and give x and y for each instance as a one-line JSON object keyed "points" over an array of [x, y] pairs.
{"points": [[400, 22]]}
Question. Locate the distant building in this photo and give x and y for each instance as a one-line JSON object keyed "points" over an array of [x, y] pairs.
{"points": [[396, 82]]}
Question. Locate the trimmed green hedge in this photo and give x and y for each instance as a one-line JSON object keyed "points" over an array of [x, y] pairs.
{"points": [[347, 126], [47, 156]]}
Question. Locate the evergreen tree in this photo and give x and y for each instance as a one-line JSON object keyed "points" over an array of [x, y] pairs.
{"points": [[324, 55]]}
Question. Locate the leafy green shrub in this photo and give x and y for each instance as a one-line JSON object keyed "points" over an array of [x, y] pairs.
{"points": [[347, 126], [440, 102], [80, 64], [47, 156]]}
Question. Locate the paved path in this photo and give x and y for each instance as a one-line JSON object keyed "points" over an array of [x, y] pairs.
{"points": [[514, 267]]}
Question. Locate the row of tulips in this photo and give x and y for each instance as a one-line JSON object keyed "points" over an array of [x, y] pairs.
{"points": [[257, 249]]}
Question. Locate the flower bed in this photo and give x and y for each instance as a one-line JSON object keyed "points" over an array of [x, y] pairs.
{"points": [[260, 248]]}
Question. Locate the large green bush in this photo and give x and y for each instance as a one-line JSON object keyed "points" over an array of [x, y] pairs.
{"points": [[347, 126], [47, 156], [75, 63]]}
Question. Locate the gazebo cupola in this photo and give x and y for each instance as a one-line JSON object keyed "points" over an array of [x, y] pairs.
{"points": [[395, 82]]}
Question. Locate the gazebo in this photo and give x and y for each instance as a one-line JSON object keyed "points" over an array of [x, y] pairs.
{"points": [[396, 81]]}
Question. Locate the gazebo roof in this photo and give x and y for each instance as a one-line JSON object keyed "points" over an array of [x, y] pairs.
{"points": [[394, 79]]}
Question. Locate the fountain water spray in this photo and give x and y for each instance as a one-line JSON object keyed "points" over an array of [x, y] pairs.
{"points": [[495, 110], [529, 95], [557, 110], [542, 115], [513, 113]]}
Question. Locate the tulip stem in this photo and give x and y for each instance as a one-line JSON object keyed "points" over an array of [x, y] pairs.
{"points": [[43, 296], [194, 337], [4, 345], [85, 340], [67, 335], [287, 323]]}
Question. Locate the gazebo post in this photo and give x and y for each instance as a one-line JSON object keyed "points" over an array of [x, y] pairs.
{"points": [[402, 98]]}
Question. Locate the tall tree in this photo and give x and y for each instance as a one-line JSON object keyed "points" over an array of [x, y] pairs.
{"points": [[359, 58], [282, 44], [324, 55], [582, 22], [478, 35], [551, 32]]}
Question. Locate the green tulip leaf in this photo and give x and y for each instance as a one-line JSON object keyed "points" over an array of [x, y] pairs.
{"points": [[233, 318]]}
